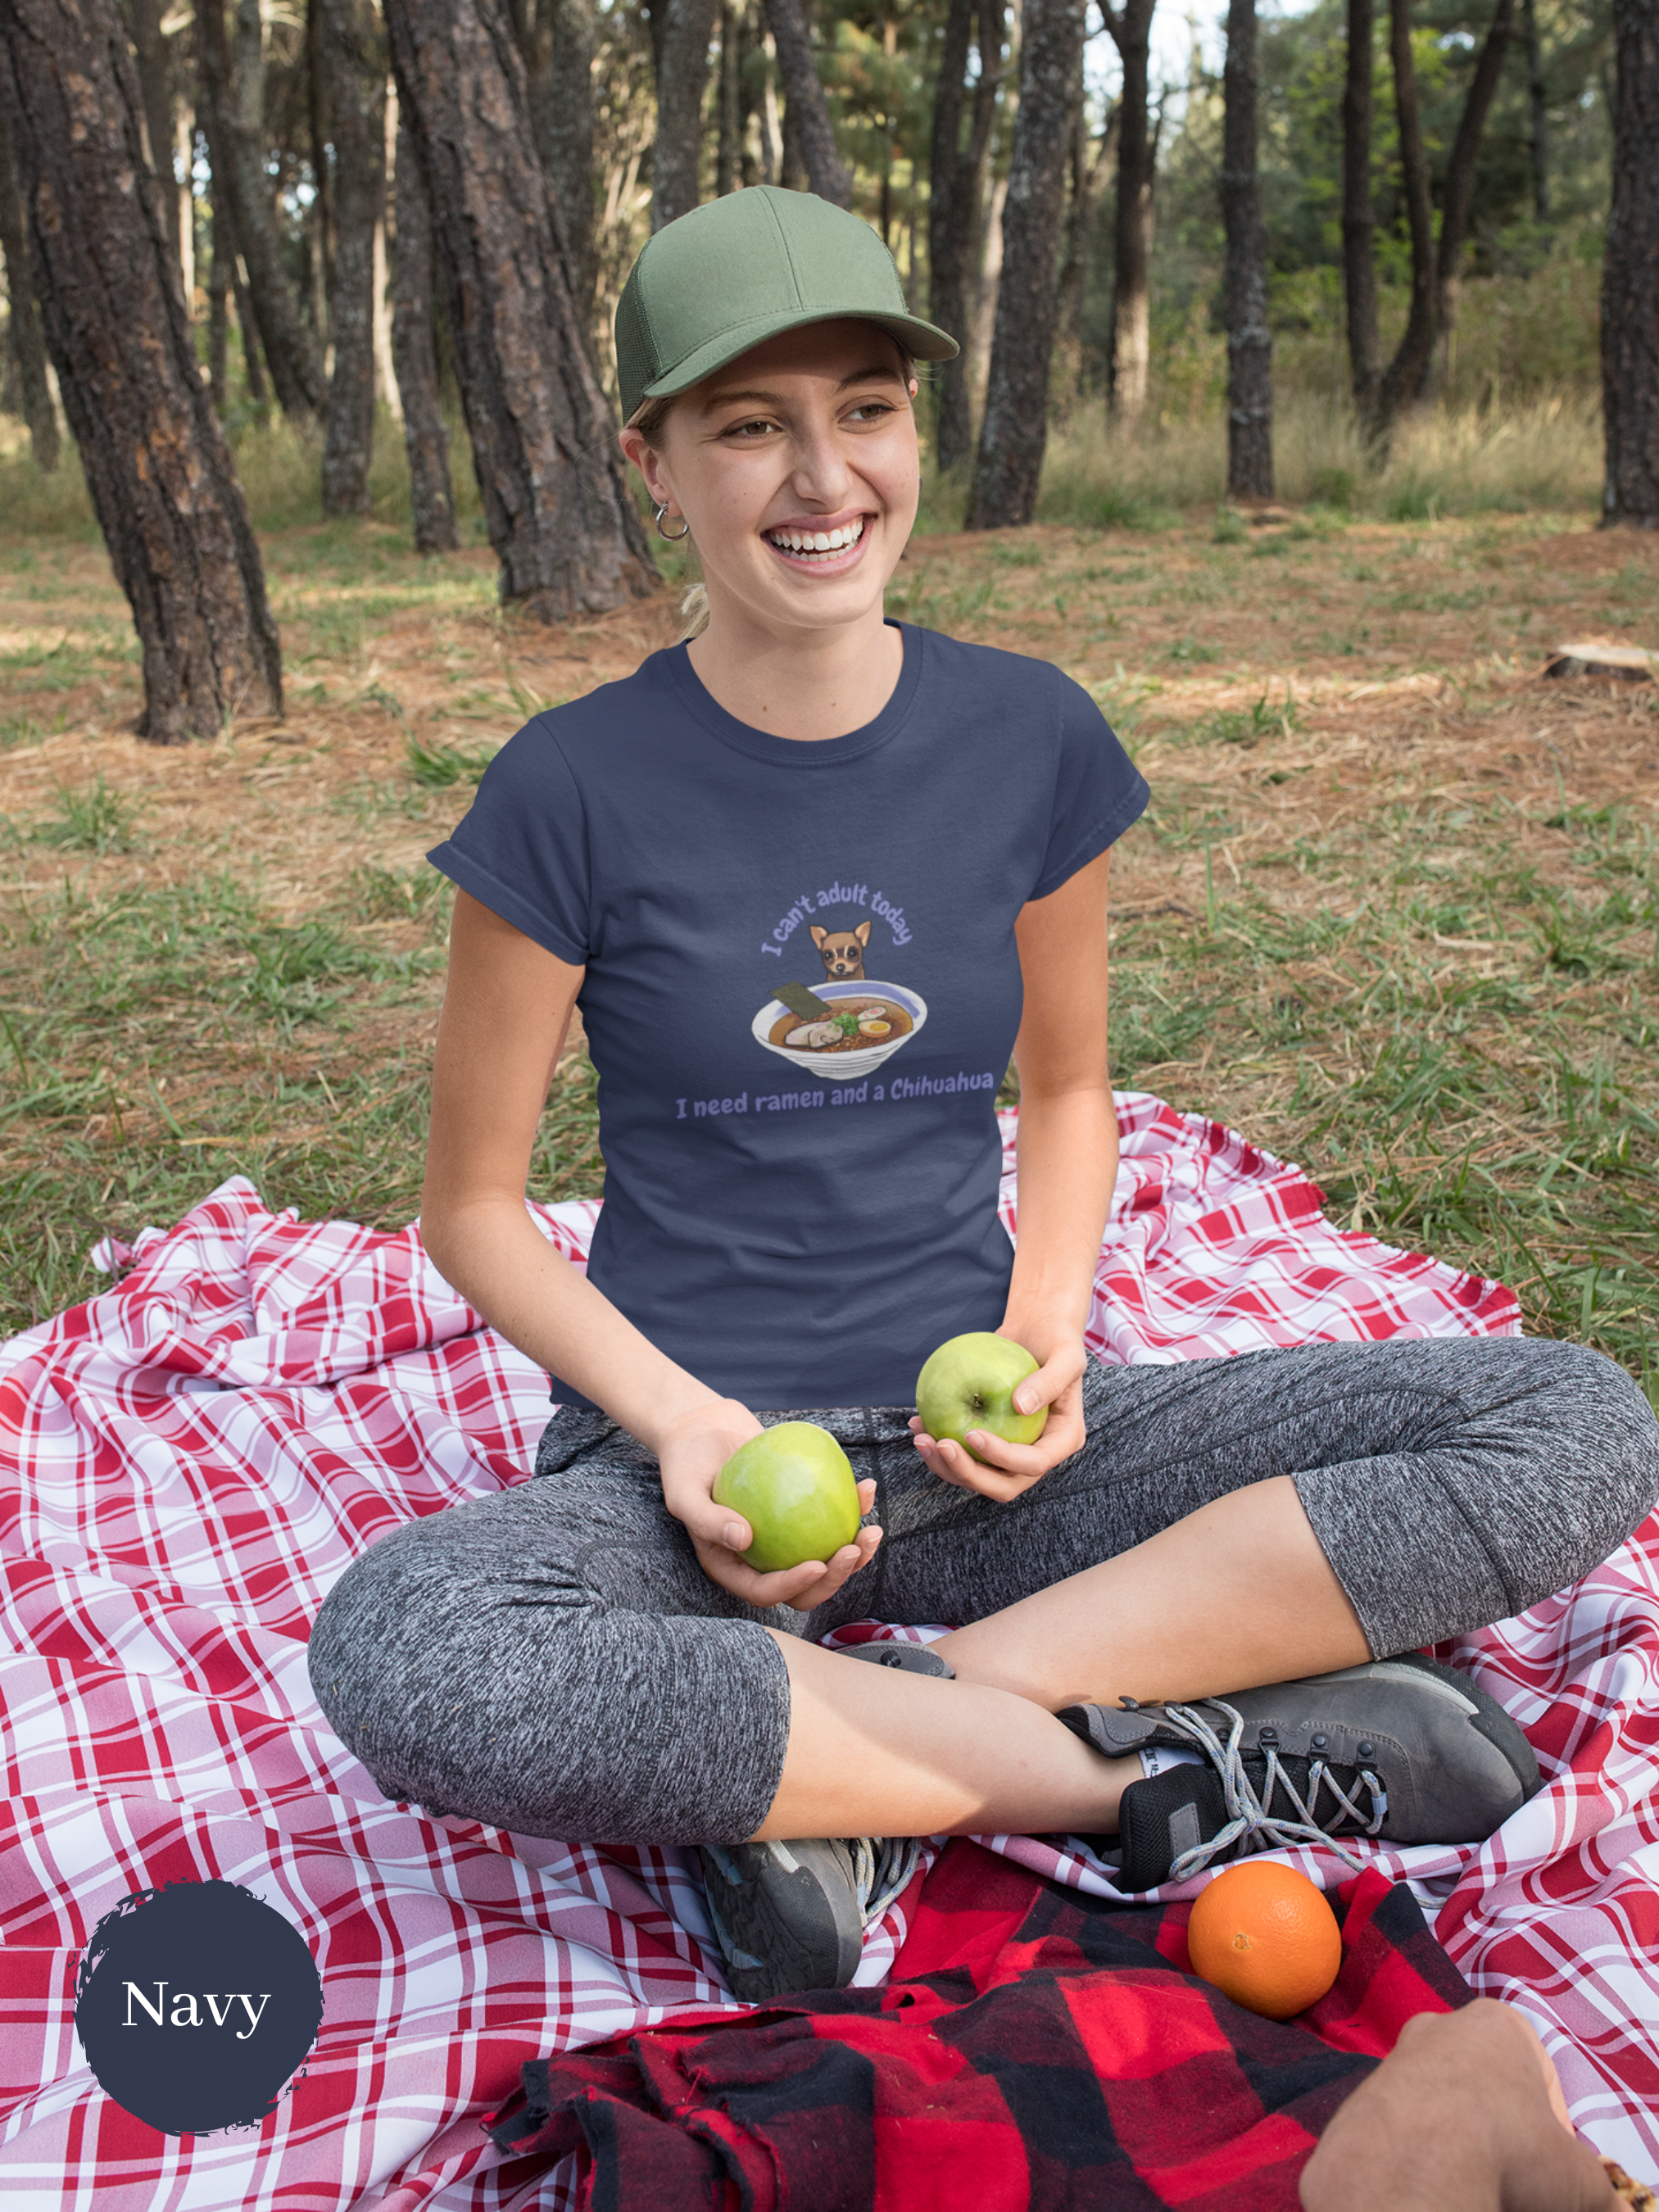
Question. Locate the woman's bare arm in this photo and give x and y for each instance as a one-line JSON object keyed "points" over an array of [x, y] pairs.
{"points": [[505, 1019], [1067, 1166]]}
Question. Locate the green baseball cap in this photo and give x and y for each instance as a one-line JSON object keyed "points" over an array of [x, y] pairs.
{"points": [[743, 269]]}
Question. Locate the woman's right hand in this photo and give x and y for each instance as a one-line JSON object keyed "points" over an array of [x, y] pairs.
{"points": [[691, 1451]]}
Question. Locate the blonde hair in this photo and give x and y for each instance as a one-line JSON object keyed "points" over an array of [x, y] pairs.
{"points": [[693, 614]]}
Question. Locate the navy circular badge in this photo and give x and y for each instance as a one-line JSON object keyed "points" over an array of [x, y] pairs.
{"points": [[196, 2004]]}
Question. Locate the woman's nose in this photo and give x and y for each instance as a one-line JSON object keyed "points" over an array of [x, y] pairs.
{"points": [[821, 472]]}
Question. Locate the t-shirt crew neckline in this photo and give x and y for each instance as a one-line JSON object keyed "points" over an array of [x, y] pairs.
{"points": [[801, 752]]}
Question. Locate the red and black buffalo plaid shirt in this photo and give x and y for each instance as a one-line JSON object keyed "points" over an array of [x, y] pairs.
{"points": [[1035, 2050]]}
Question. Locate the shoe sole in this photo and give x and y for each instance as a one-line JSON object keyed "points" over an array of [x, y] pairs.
{"points": [[774, 1907]]}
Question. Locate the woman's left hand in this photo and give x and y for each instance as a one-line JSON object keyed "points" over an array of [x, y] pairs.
{"points": [[1003, 1471]]}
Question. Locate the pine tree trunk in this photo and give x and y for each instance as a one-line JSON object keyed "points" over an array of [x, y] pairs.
{"points": [[28, 341], [1130, 365], [219, 283], [555, 500], [568, 143], [1538, 110], [1405, 380], [728, 148], [354, 68], [155, 461], [956, 205], [1014, 432], [1459, 192], [688, 25], [317, 236], [1358, 218], [432, 502], [1630, 275], [251, 370], [1250, 341], [155, 85], [1091, 159], [807, 112], [234, 115]]}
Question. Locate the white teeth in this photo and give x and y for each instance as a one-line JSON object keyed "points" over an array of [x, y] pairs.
{"points": [[818, 541]]}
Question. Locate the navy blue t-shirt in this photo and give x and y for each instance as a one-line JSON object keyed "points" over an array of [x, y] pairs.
{"points": [[802, 990]]}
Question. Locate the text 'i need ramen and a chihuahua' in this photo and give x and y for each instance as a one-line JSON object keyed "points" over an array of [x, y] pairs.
{"points": [[841, 1031]]}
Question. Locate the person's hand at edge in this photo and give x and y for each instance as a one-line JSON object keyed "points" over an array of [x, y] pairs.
{"points": [[1003, 1471], [690, 1452], [1464, 2115]]}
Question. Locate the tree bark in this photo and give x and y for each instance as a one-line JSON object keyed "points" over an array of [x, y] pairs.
{"points": [[236, 151], [219, 269], [1405, 377], [155, 85], [1358, 219], [556, 39], [251, 369], [728, 150], [1250, 341], [354, 65], [1130, 27], [1459, 192], [555, 500], [1630, 275], [28, 343], [1538, 107], [568, 143], [806, 110], [322, 206], [1089, 162], [432, 500], [687, 26], [955, 208], [157, 463], [1014, 432]]}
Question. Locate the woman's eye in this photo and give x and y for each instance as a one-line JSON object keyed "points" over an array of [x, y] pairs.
{"points": [[758, 428], [869, 410]]}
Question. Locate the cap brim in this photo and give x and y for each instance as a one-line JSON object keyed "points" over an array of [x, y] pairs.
{"points": [[924, 341]]}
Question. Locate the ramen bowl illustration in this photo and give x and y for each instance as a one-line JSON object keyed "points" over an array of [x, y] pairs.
{"points": [[865, 1025]]}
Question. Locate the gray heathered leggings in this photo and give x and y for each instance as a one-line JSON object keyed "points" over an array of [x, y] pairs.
{"points": [[553, 1659]]}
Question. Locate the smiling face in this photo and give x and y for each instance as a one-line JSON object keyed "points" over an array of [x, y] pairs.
{"points": [[797, 467]]}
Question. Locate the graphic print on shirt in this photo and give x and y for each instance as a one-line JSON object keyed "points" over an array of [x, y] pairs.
{"points": [[847, 1021]]}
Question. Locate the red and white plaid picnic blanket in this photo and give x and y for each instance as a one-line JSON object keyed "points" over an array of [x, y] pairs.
{"points": [[191, 1457]]}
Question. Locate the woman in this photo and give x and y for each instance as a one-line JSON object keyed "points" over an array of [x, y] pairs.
{"points": [[807, 808]]}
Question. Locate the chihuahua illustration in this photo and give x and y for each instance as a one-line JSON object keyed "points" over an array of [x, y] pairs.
{"points": [[843, 950]]}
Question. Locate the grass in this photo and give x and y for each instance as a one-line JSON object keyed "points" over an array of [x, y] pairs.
{"points": [[1394, 911], [1463, 1051], [1543, 457], [93, 819]]}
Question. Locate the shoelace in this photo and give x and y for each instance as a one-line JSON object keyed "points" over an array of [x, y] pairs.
{"points": [[882, 1869], [1249, 1816]]}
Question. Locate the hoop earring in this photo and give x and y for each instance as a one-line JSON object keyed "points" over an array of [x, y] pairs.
{"points": [[673, 537]]}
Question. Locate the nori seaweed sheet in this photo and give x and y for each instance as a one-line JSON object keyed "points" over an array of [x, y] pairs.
{"points": [[801, 1001]]}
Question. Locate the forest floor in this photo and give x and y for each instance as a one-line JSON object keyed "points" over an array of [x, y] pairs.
{"points": [[1394, 911]]}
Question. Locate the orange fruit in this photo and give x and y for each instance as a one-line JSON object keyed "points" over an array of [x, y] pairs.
{"points": [[1263, 1936]]}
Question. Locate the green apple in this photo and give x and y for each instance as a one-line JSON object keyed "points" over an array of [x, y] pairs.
{"points": [[795, 1487], [970, 1384]]}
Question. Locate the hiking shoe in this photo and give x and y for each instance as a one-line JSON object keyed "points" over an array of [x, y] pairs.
{"points": [[1404, 1750], [791, 1916]]}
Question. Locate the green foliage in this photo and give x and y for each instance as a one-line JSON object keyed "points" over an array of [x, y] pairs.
{"points": [[93, 819], [438, 765]]}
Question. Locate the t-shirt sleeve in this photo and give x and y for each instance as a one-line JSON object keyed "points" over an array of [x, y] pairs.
{"points": [[1098, 790], [521, 849]]}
